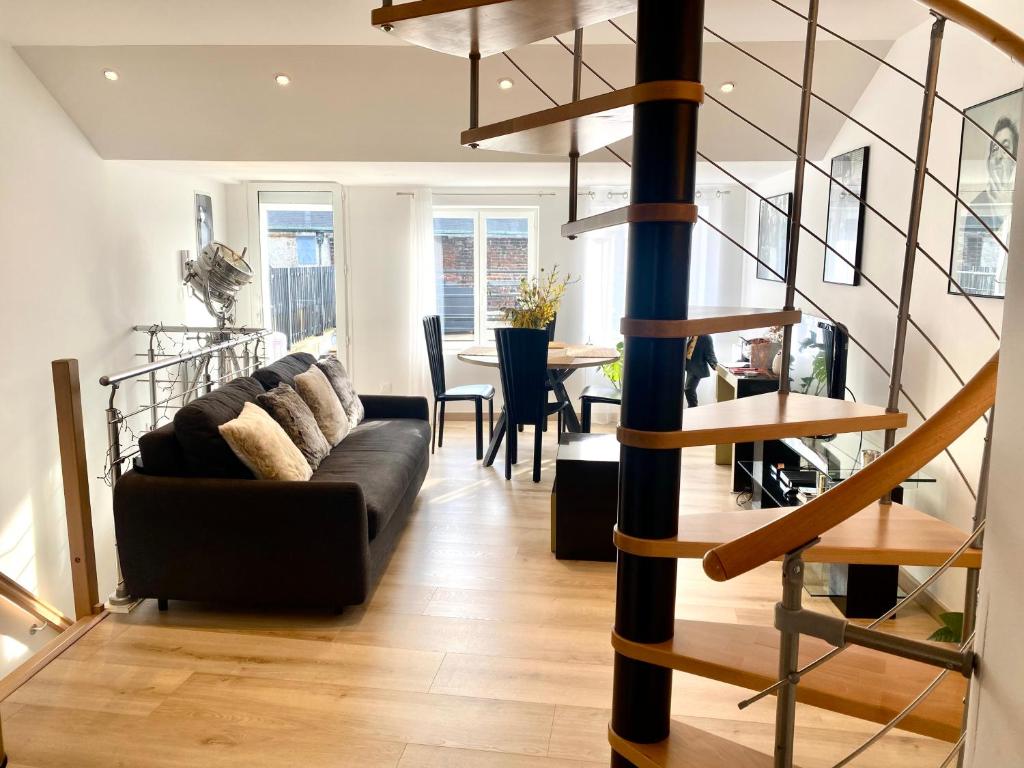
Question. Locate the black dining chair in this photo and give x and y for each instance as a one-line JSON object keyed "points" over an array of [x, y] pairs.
{"points": [[475, 392], [523, 366], [596, 394]]}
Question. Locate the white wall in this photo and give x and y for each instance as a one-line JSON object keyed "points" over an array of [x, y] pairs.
{"points": [[971, 72], [997, 706], [89, 248]]}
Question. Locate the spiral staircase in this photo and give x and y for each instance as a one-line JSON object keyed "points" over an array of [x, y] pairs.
{"points": [[806, 657]]}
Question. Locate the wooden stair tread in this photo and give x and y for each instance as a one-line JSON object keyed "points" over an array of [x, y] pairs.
{"points": [[631, 214], [579, 126], [877, 535], [689, 747], [861, 683], [708, 320], [770, 416], [462, 27]]}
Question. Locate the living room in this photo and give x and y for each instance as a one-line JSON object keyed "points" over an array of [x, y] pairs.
{"points": [[148, 151]]}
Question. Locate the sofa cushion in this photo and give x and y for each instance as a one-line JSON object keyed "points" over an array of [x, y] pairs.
{"points": [[207, 454], [264, 447], [284, 370], [161, 454], [291, 412], [382, 456], [316, 390], [339, 378]]}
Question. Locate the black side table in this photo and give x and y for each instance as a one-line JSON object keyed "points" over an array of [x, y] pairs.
{"points": [[584, 498]]}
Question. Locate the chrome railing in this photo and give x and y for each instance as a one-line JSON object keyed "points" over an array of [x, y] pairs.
{"points": [[214, 361]]}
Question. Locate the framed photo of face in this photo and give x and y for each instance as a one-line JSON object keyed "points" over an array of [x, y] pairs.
{"points": [[773, 237], [845, 232], [989, 142]]}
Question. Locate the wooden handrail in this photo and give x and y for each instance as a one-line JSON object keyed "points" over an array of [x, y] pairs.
{"points": [[977, 22], [825, 512]]}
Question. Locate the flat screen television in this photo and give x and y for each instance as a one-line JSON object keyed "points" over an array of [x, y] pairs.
{"points": [[818, 360]]}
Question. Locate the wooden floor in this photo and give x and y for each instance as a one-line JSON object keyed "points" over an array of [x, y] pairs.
{"points": [[477, 650]]}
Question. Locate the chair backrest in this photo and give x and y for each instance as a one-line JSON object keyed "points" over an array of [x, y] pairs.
{"points": [[551, 327], [523, 365], [435, 354]]}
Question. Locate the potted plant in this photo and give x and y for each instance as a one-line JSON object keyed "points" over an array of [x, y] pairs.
{"points": [[613, 371], [537, 300]]}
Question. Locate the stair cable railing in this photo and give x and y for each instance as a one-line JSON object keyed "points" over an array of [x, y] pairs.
{"points": [[805, 229], [788, 649], [797, 530]]}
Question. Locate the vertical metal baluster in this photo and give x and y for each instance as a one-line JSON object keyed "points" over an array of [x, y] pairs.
{"points": [[474, 92], [120, 596], [789, 661], [914, 227], [973, 574], [151, 356], [574, 155], [796, 214]]}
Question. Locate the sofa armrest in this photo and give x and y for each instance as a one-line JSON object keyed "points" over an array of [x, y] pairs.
{"points": [[242, 540], [396, 407]]}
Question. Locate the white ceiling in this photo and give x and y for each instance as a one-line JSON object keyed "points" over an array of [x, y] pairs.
{"points": [[394, 104], [347, 22], [197, 86], [448, 175]]}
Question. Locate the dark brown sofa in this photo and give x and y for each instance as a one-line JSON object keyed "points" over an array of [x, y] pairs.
{"points": [[193, 524]]}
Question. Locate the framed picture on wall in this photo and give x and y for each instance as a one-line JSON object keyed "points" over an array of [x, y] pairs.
{"points": [[773, 237], [988, 143], [204, 221], [845, 230]]}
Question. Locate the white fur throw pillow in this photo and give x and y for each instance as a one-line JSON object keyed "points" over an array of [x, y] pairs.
{"points": [[316, 390], [262, 445]]}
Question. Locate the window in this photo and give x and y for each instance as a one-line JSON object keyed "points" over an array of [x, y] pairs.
{"points": [[482, 254], [297, 247]]}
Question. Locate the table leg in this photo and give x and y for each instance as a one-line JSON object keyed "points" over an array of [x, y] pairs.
{"points": [[557, 380], [496, 438]]}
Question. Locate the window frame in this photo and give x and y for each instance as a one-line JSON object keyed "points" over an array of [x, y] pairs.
{"points": [[480, 214]]}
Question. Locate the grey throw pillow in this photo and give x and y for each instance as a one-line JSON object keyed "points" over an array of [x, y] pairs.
{"points": [[316, 390], [291, 412], [338, 376]]}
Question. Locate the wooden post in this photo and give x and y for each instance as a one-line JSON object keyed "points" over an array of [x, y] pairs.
{"points": [[75, 473]]}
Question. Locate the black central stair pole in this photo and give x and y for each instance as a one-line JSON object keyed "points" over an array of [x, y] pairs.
{"points": [[669, 41]]}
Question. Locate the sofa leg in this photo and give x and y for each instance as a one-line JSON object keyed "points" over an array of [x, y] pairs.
{"points": [[161, 603]]}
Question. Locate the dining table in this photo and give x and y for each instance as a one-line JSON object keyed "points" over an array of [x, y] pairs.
{"points": [[563, 361]]}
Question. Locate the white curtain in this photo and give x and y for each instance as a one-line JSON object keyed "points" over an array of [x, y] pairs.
{"points": [[707, 251], [423, 268], [604, 275]]}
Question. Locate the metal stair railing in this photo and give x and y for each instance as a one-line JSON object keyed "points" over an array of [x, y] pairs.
{"points": [[792, 619]]}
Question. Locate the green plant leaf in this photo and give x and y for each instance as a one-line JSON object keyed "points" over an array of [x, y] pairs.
{"points": [[952, 630]]}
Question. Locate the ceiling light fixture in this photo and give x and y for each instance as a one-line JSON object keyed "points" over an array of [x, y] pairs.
{"points": [[727, 87], [111, 75], [282, 79], [505, 83]]}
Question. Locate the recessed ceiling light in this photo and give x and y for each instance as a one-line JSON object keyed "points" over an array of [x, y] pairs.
{"points": [[505, 83], [727, 87], [282, 79], [111, 75]]}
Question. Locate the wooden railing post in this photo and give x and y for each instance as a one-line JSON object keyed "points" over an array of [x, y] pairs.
{"points": [[74, 470]]}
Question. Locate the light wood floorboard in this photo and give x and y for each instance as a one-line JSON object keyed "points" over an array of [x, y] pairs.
{"points": [[477, 650]]}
